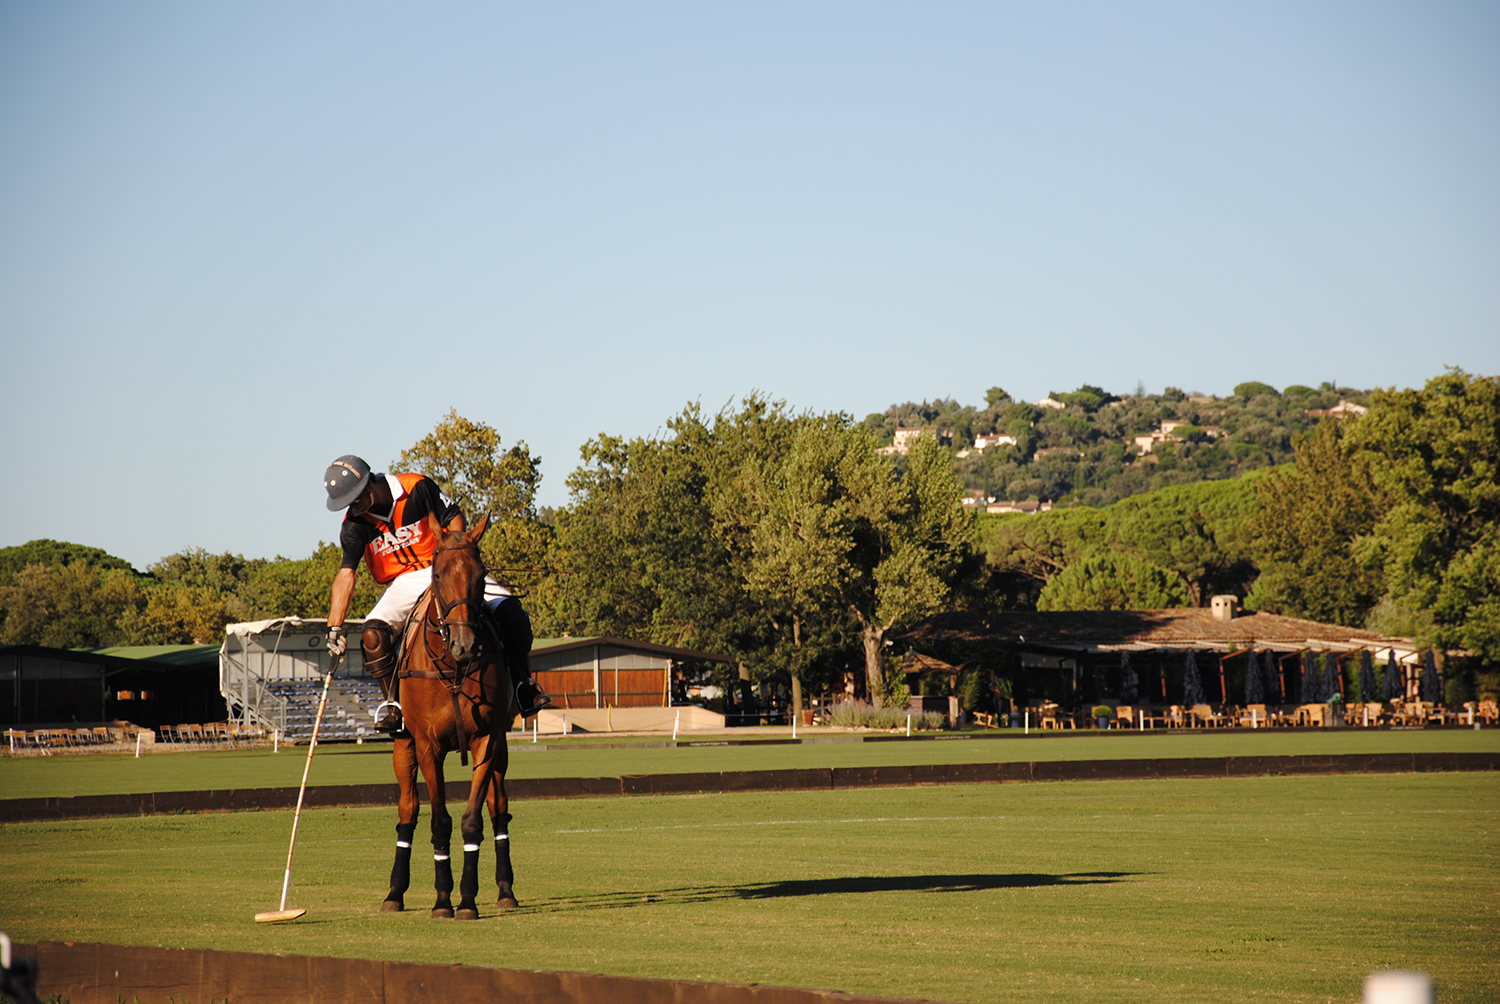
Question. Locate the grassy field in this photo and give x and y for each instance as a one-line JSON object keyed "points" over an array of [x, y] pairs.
{"points": [[1268, 888], [98, 775]]}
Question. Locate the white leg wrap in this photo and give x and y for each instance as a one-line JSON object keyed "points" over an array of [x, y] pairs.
{"points": [[440, 857], [471, 847], [403, 843], [502, 836]]}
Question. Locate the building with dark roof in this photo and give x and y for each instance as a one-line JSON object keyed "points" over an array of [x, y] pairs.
{"points": [[1074, 657], [148, 685]]}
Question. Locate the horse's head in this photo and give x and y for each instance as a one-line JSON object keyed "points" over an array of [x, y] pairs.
{"points": [[458, 588]]}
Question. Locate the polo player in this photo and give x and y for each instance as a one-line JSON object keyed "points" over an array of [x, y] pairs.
{"points": [[386, 526]]}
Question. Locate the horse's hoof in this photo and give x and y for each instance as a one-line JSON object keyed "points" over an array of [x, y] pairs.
{"points": [[392, 906], [507, 903], [467, 913], [442, 913]]}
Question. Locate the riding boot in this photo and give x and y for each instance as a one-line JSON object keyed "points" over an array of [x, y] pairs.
{"points": [[513, 628], [530, 697], [380, 661]]}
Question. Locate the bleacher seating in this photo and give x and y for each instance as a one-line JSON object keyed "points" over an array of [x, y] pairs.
{"points": [[350, 714]]}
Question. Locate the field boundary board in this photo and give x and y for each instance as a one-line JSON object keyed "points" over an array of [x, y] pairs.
{"points": [[88, 973], [16, 810]]}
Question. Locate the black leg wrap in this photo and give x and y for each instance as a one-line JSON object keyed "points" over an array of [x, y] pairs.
{"points": [[444, 881], [504, 876], [401, 870]]}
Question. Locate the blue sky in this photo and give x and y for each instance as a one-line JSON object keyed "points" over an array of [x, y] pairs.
{"points": [[237, 240]]}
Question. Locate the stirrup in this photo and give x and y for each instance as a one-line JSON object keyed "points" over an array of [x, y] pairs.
{"points": [[537, 702], [388, 717]]}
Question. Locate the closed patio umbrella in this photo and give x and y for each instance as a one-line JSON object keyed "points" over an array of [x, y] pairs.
{"points": [[1332, 676], [1129, 683], [1395, 685], [1271, 667], [1366, 675], [1192, 684], [1432, 688], [1255, 684], [1310, 683]]}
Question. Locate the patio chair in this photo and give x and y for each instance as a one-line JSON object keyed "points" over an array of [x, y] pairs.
{"points": [[1149, 717], [1253, 716], [1047, 716], [1176, 718], [1125, 715], [1488, 712], [1205, 716]]}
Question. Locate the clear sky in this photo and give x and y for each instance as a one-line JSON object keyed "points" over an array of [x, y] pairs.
{"points": [[240, 239]]}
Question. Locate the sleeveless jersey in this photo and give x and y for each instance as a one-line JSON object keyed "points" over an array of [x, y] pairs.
{"points": [[397, 549]]}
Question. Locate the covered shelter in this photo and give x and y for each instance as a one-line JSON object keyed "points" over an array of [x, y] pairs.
{"points": [[1074, 657], [147, 685]]}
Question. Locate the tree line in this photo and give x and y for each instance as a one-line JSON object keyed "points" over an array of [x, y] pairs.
{"points": [[1081, 451], [786, 540]]}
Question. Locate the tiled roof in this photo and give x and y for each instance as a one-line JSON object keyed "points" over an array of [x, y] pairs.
{"points": [[1117, 630]]}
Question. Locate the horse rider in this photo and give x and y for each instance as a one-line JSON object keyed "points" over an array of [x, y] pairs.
{"points": [[386, 525]]}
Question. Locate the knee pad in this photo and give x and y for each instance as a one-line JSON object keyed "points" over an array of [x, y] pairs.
{"points": [[376, 642]]}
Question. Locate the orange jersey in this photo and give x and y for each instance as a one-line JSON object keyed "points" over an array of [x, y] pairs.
{"points": [[399, 547]]}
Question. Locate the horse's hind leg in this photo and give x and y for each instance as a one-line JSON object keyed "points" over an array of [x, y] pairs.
{"points": [[405, 759], [504, 877], [442, 832]]}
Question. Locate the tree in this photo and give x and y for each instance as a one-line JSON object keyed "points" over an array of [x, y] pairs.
{"points": [[801, 533], [75, 606], [467, 461], [175, 615], [1253, 388], [54, 554], [1197, 532], [1109, 580], [1435, 457], [1311, 513], [838, 529]]}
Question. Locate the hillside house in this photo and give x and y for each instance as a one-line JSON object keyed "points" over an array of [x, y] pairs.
{"points": [[905, 438], [1344, 409], [1029, 508]]}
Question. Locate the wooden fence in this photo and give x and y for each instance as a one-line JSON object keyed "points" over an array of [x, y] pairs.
{"points": [[105, 974], [795, 779]]}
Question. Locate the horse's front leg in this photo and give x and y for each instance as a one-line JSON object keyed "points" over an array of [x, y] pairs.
{"points": [[431, 761], [499, 816], [472, 827], [405, 759]]}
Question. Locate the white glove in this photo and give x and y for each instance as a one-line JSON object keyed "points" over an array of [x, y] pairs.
{"points": [[337, 643]]}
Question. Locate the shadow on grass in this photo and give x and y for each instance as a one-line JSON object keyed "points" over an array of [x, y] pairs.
{"points": [[820, 887]]}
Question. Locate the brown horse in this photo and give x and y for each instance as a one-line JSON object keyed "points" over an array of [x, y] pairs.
{"points": [[456, 694]]}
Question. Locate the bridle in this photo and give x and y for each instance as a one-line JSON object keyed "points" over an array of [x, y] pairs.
{"points": [[475, 621], [485, 641]]}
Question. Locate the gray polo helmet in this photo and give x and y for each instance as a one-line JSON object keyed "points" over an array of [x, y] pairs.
{"points": [[345, 478]]}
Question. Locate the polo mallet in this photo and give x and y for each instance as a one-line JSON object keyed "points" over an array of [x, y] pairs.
{"points": [[283, 914]]}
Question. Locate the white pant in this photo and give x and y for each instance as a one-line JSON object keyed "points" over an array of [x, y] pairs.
{"points": [[402, 594]]}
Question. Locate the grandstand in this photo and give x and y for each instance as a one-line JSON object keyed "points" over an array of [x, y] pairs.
{"points": [[271, 675]]}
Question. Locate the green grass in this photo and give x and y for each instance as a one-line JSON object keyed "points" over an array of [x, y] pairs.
{"points": [[1273, 888], [98, 775]]}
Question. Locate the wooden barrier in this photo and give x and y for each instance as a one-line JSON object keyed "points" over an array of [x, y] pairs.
{"points": [[105, 974], [797, 779]]}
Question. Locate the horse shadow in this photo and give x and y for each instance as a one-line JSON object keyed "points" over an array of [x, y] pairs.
{"points": [[848, 885]]}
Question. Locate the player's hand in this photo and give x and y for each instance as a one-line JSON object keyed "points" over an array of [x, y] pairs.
{"points": [[337, 643]]}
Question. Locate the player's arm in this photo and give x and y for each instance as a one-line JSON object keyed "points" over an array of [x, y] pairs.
{"points": [[343, 585], [448, 514], [343, 591]]}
